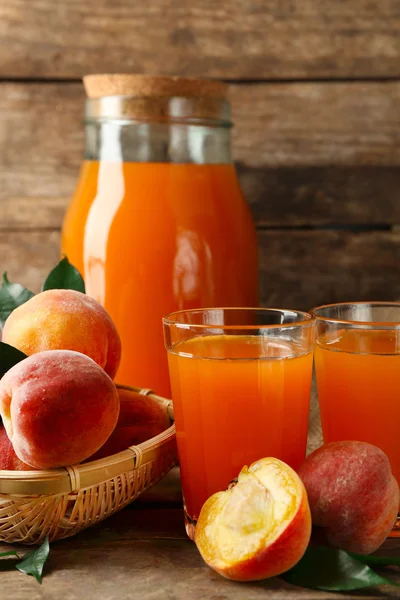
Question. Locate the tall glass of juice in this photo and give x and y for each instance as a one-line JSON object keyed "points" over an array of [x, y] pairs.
{"points": [[240, 383], [357, 361]]}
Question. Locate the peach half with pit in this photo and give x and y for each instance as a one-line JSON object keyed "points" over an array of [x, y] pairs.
{"points": [[58, 407], [353, 495], [259, 527], [65, 320]]}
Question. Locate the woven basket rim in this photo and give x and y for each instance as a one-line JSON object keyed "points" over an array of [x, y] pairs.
{"points": [[77, 477]]}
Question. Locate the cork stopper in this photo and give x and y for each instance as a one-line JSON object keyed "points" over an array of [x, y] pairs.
{"points": [[150, 86], [150, 98]]}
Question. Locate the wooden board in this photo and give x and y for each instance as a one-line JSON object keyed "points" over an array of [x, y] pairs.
{"points": [[29, 256], [301, 269], [329, 195], [231, 39], [145, 554], [308, 154], [41, 146], [298, 269]]}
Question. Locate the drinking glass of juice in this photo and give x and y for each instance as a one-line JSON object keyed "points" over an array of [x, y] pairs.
{"points": [[240, 382], [357, 361]]}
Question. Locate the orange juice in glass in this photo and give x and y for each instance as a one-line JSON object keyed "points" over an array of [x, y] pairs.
{"points": [[357, 361], [240, 382]]}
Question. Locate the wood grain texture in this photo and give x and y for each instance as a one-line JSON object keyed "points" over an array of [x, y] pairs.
{"points": [[322, 196], [301, 269], [308, 154], [112, 562], [167, 493], [152, 570], [231, 39], [29, 256], [41, 146], [298, 269]]}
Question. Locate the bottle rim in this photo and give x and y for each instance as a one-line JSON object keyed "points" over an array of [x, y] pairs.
{"points": [[205, 111]]}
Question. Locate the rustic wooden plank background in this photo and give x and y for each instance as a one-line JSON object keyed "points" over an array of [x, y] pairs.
{"points": [[231, 39], [316, 101], [315, 95]]}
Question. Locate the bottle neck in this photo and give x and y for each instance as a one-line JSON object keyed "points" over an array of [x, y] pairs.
{"points": [[158, 129], [134, 141]]}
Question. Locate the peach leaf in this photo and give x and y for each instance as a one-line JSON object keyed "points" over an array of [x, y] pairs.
{"points": [[333, 570], [64, 277], [12, 295]]}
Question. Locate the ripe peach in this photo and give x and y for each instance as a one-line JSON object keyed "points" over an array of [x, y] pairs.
{"points": [[65, 320], [259, 527], [8, 459], [352, 493], [58, 408], [140, 418]]}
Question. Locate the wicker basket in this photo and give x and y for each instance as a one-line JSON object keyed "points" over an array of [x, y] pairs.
{"points": [[61, 502]]}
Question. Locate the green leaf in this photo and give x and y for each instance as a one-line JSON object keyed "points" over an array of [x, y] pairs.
{"points": [[33, 561], [333, 570], [12, 295], [9, 553], [64, 277], [9, 356], [383, 561]]}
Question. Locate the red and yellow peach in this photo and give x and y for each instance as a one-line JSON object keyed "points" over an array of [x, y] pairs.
{"points": [[65, 320], [8, 459], [352, 493], [58, 407], [140, 418]]}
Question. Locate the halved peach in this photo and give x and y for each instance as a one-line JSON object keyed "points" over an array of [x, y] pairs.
{"points": [[259, 527]]}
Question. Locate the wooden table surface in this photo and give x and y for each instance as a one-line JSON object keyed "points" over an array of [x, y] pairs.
{"points": [[142, 552]]}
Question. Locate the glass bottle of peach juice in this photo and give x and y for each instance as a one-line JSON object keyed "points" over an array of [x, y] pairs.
{"points": [[158, 222]]}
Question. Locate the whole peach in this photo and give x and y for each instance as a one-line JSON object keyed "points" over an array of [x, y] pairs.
{"points": [[65, 320], [140, 418], [8, 459], [58, 408], [352, 493]]}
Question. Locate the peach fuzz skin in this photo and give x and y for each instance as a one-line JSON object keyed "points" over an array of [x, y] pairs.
{"points": [[58, 407], [140, 418], [9, 461], [352, 493], [262, 534], [65, 320]]}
